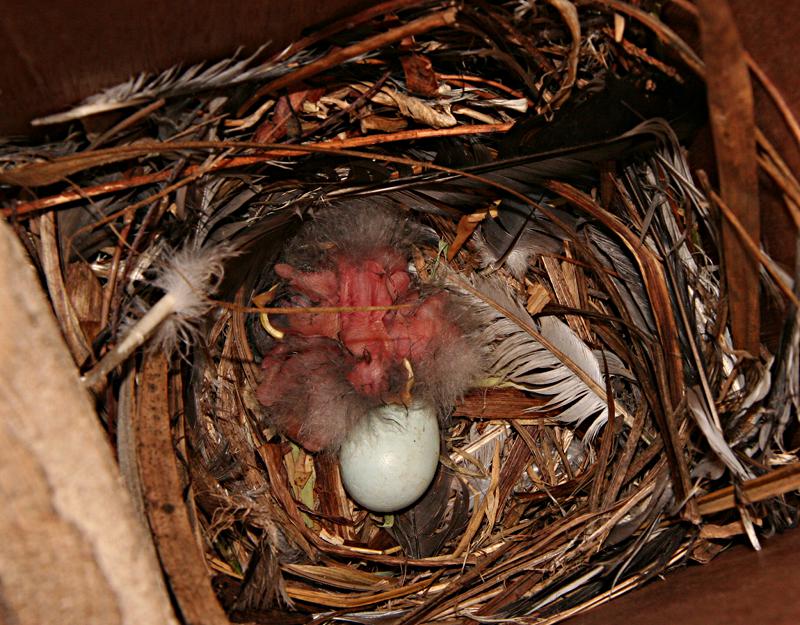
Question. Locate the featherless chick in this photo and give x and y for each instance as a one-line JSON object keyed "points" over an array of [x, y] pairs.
{"points": [[408, 342]]}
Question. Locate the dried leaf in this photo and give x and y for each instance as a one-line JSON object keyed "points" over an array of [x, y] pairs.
{"points": [[704, 551], [415, 108], [382, 124], [302, 477], [341, 55], [729, 530], [334, 505], [283, 121], [480, 510], [420, 77], [86, 295]]}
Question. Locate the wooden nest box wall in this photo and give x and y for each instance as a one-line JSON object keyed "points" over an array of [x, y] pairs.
{"points": [[594, 202]]}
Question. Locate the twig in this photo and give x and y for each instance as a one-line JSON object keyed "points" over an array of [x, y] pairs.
{"points": [[419, 133], [197, 173], [272, 151], [641, 53], [604, 456], [309, 310], [464, 79], [111, 286], [569, 14], [337, 57], [661, 30], [777, 97], [348, 23], [773, 484]]}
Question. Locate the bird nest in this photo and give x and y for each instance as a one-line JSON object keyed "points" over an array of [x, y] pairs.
{"points": [[605, 413]]}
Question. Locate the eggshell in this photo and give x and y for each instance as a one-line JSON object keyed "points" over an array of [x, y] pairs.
{"points": [[389, 459]]}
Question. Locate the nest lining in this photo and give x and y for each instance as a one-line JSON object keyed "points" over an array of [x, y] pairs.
{"points": [[616, 410]]}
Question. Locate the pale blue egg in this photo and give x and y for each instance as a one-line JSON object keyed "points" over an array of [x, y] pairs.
{"points": [[389, 460]]}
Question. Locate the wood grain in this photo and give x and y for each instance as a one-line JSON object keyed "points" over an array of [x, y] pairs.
{"points": [[741, 587], [72, 549]]}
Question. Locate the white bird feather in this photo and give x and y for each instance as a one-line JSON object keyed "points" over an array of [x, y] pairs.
{"points": [[544, 357]]}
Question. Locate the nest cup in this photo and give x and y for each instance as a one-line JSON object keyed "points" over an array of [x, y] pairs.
{"points": [[539, 152]]}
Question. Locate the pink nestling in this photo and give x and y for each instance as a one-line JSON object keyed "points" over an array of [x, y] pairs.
{"points": [[418, 342]]}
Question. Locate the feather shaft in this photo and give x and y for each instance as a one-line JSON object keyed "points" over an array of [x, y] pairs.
{"points": [[135, 338], [582, 390]]}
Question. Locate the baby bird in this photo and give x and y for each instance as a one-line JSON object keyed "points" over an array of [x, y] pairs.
{"points": [[332, 368]]}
